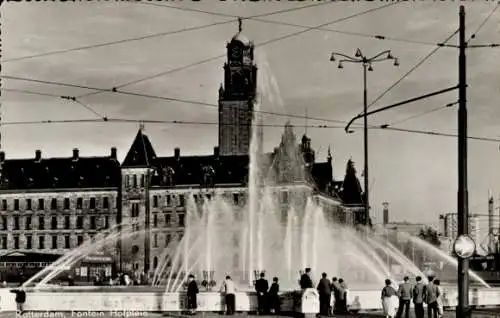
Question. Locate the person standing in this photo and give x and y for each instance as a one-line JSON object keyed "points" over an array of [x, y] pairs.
{"points": [[439, 298], [418, 297], [261, 287], [274, 298], [342, 296], [404, 294], [306, 280], [325, 294], [335, 288], [192, 292], [20, 299], [229, 290], [389, 296], [431, 295]]}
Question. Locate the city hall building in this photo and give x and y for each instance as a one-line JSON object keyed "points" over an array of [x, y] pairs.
{"points": [[53, 205]]}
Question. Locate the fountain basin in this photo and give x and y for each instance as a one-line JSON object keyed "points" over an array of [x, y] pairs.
{"points": [[119, 299]]}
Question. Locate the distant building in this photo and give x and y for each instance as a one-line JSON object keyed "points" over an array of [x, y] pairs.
{"points": [[53, 205]]}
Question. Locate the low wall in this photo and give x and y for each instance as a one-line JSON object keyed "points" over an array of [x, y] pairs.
{"points": [[150, 301]]}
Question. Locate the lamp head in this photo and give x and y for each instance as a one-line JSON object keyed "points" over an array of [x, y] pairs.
{"points": [[389, 56], [340, 65], [358, 53], [396, 62], [332, 57], [370, 68]]}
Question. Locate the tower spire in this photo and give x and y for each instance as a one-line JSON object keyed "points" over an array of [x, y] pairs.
{"points": [[329, 155], [240, 22], [141, 126]]}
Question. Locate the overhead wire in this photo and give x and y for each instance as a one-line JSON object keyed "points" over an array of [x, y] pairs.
{"points": [[422, 114], [366, 35], [160, 34], [473, 36], [184, 67]]}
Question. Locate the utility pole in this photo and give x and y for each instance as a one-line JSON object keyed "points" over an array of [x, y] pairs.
{"points": [[462, 310]]}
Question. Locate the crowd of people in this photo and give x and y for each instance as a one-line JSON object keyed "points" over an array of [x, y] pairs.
{"points": [[396, 300]]}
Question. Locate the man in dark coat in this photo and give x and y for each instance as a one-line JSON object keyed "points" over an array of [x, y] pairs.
{"points": [[325, 293], [418, 297], [20, 299], [305, 280], [274, 298], [261, 287], [192, 292]]}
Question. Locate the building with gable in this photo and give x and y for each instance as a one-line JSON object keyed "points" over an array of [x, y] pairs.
{"points": [[53, 205]]}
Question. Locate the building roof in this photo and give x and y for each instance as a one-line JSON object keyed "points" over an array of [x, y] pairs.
{"points": [[70, 172], [141, 153]]}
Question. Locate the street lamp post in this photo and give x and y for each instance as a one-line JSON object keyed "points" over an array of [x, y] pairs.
{"points": [[367, 64]]}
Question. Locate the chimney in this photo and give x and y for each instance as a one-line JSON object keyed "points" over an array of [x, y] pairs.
{"points": [[2, 156], [491, 224], [38, 155], [386, 213], [216, 151], [75, 154], [113, 153], [177, 153]]}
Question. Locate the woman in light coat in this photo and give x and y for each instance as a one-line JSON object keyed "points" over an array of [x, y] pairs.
{"points": [[390, 300], [439, 299]]}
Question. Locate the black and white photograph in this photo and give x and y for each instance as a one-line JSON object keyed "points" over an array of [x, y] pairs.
{"points": [[206, 158]]}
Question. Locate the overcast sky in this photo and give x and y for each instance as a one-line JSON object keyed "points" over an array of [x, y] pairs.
{"points": [[415, 173]]}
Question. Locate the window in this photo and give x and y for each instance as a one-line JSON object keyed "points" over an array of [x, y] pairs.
{"points": [[92, 204], [155, 219], [143, 180], [28, 223], [79, 222], [67, 223], [236, 198], [155, 240], [127, 181], [92, 222], [29, 242], [284, 197], [168, 238], [66, 204], [4, 242], [53, 223], [106, 222], [181, 200], [28, 204], [79, 203], [16, 242], [181, 219], [134, 181], [4, 223], [79, 240], [4, 205], [135, 210], [16, 204], [155, 201], [16, 223], [167, 219], [54, 242], [53, 204], [105, 203], [41, 223], [41, 204], [41, 242], [67, 242], [169, 200]]}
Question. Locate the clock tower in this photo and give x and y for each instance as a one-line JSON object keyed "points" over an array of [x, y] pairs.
{"points": [[237, 97]]}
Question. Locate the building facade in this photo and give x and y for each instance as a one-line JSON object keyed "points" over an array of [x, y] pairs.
{"points": [[53, 205]]}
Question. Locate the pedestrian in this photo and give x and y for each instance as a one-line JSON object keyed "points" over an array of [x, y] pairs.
{"points": [[229, 290], [261, 287], [389, 299], [306, 280], [431, 294], [335, 288], [274, 298], [192, 292], [404, 294], [342, 296], [439, 298], [20, 299], [418, 297], [325, 294]]}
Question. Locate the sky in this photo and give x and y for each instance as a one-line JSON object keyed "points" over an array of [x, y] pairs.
{"points": [[415, 173]]}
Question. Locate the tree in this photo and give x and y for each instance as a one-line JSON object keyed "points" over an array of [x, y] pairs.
{"points": [[430, 235]]}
